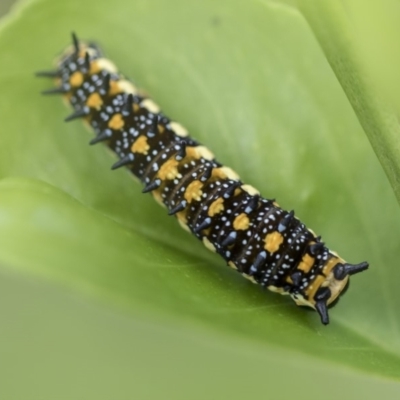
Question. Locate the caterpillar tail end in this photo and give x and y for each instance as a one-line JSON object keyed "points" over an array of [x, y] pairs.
{"points": [[322, 310], [321, 303], [340, 272]]}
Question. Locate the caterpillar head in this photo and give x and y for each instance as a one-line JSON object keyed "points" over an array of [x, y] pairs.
{"points": [[78, 57], [79, 49]]}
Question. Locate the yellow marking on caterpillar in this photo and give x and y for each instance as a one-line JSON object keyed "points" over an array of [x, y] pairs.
{"points": [[116, 122], [87, 126], [276, 289], [206, 232], [161, 128], [232, 265], [178, 129], [193, 191], [94, 68], [114, 88], [335, 286], [204, 152], [126, 86], [102, 64], [250, 190], [66, 98], [301, 301], [241, 222], [331, 263], [216, 207], [94, 101], [191, 152], [150, 106], [169, 170], [82, 53], [272, 241], [181, 217], [249, 277], [314, 286], [335, 254], [306, 263], [140, 145], [225, 173], [184, 226], [208, 245], [289, 280], [312, 232], [197, 152], [76, 79], [157, 197]]}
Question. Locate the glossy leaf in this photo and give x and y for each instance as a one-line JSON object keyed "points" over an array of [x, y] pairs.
{"points": [[248, 79]]}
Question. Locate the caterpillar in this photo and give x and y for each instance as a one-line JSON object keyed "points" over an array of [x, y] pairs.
{"points": [[266, 244]]}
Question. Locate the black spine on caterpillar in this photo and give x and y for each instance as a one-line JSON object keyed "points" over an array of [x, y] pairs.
{"points": [[265, 243]]}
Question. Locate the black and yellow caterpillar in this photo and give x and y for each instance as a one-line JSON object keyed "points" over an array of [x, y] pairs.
{"points": [[263, 242]]}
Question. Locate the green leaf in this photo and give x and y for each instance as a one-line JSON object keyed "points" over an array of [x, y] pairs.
{"points": [[249, 80], [358, 43]]}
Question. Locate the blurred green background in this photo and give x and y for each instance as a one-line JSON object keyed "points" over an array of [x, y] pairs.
{"points": [[5, 6], [103, 297]]}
